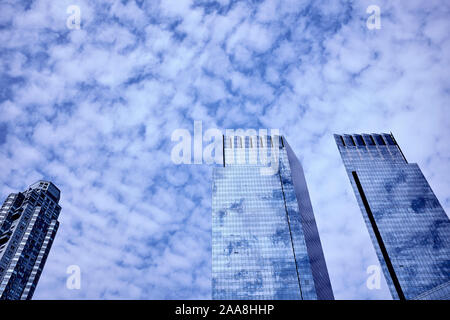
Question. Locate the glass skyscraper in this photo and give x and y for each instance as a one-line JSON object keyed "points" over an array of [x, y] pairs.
{"points": [[265, 243], [408, 227], [28, 225]]}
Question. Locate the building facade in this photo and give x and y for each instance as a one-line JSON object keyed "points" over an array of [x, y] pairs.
{"points": [[28, 225], [408, 227], [265, 243]]}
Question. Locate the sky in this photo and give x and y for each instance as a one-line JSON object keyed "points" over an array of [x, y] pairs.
{"points": [[93, 110]]}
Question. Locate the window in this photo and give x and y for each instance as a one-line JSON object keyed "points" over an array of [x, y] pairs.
{"points": [[349, 140], [388, 139], [379, 140], [359, 140]]}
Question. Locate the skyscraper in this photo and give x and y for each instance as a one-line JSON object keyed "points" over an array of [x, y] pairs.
{"points": [[265, 243], [28, 225], [408, 227]]}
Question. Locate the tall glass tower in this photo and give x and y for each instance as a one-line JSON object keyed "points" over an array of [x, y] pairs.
{"points": [[409, 229], [265, 243], [28, 225]]}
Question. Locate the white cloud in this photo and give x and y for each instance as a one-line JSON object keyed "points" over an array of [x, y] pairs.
{"points": [[96, 117]]}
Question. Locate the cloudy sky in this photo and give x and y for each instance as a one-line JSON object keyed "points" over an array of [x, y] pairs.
{"points": [[93, 111]]}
